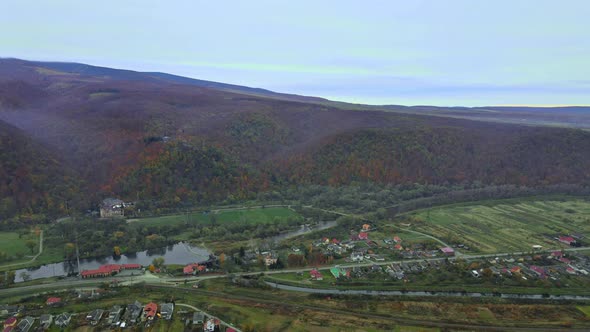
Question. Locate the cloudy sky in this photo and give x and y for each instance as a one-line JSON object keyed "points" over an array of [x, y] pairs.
{"points": [[452, 52]]}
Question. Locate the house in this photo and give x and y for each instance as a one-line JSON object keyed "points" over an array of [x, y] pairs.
{"points": [[95, 316], [25, 324], [269, 260], [316, 275], [150, 310], [166, 310], [111, 208], [448, 251], [366, 228], [570, 270], [475, 274], [356, 256], [115, 314], [565, 260], [537, 247], [133, 312], [63, 319], [53, 301], [515, 269], [397, 239], [45, 321], [9, 310], [335, 248], [363, 236], [539, 271], [567, 240], [198, 318], [212, 325], [398, 247], [338, 272], [10, 323], [557, 254], [188, 270]]}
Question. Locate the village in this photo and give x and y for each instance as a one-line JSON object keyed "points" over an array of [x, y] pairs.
{"points": [[118, 317]]}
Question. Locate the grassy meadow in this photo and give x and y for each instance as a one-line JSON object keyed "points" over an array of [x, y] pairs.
{"points": [[505, 225], [253, 215]]}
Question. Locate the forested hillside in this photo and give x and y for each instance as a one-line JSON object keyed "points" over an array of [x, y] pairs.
{"points": [[32, 182], [85, 133]]}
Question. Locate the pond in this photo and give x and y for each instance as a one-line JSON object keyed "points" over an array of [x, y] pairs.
{"points": [[180, 253]]}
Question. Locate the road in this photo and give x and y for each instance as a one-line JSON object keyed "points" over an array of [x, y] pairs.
{"points": [[32, 259]]}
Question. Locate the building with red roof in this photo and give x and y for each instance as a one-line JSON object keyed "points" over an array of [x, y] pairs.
{"points": [[150, 310], [567, 240], [397, 239], [103, 271], [398, 247], [53, 301], [316, 275], [10, 323], [556, 254], [448, 251], [363, 236], [131, 266], [515, 269]]}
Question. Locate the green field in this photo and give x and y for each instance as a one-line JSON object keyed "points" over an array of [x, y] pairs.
{"points": [[506, 225], [12, 245], [254, 215]]}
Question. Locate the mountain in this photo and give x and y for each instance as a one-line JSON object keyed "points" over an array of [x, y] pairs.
{"points": [[32, 180], [175, 140]]}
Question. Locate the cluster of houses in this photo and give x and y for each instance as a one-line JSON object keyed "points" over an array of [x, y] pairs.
{"points": [[554, 265], [118, 317], [109, 270]]}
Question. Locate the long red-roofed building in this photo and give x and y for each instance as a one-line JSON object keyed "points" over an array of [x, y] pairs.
{"points": [[108, 270]]}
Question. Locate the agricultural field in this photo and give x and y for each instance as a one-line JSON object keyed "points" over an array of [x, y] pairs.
{"points": [[505, 225], [253, 215]]}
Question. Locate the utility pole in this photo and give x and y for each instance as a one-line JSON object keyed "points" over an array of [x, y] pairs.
{"points": [[77, 252]]}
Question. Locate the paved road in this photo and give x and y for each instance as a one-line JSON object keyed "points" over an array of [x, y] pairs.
{"points": [[32, 259]]}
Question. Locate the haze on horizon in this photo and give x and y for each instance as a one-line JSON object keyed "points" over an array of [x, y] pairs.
{"points": [[446, 53]]}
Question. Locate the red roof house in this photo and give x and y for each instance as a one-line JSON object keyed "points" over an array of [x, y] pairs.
{"points": [[363, 236], [150, 310], [538, 270], [515, 269], [557, 254], [567, 239], [448, 251], [398, 247], [53, 301], [565, 260], [397, 239], [316, 275], [131, 266], [10, 323], [188, 269]]}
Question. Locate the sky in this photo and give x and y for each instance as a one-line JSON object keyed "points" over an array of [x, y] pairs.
{"points": [[412, 52]]}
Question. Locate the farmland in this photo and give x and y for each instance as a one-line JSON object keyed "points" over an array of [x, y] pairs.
{"points": [[505, 225]]}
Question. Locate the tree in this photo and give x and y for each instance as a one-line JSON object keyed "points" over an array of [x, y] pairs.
{"points": [[117, 251], [158, 262], [31, 245], [25, 276]]}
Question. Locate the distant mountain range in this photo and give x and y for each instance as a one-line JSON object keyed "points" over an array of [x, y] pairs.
{"points": [[88, 132]]}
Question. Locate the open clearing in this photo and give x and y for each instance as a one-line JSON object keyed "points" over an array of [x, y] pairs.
{"points": [[506, 225], [254, 215], [12, 245]]}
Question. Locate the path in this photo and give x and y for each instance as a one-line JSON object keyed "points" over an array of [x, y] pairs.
{"points": [[206, 314], [32, 259]]}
